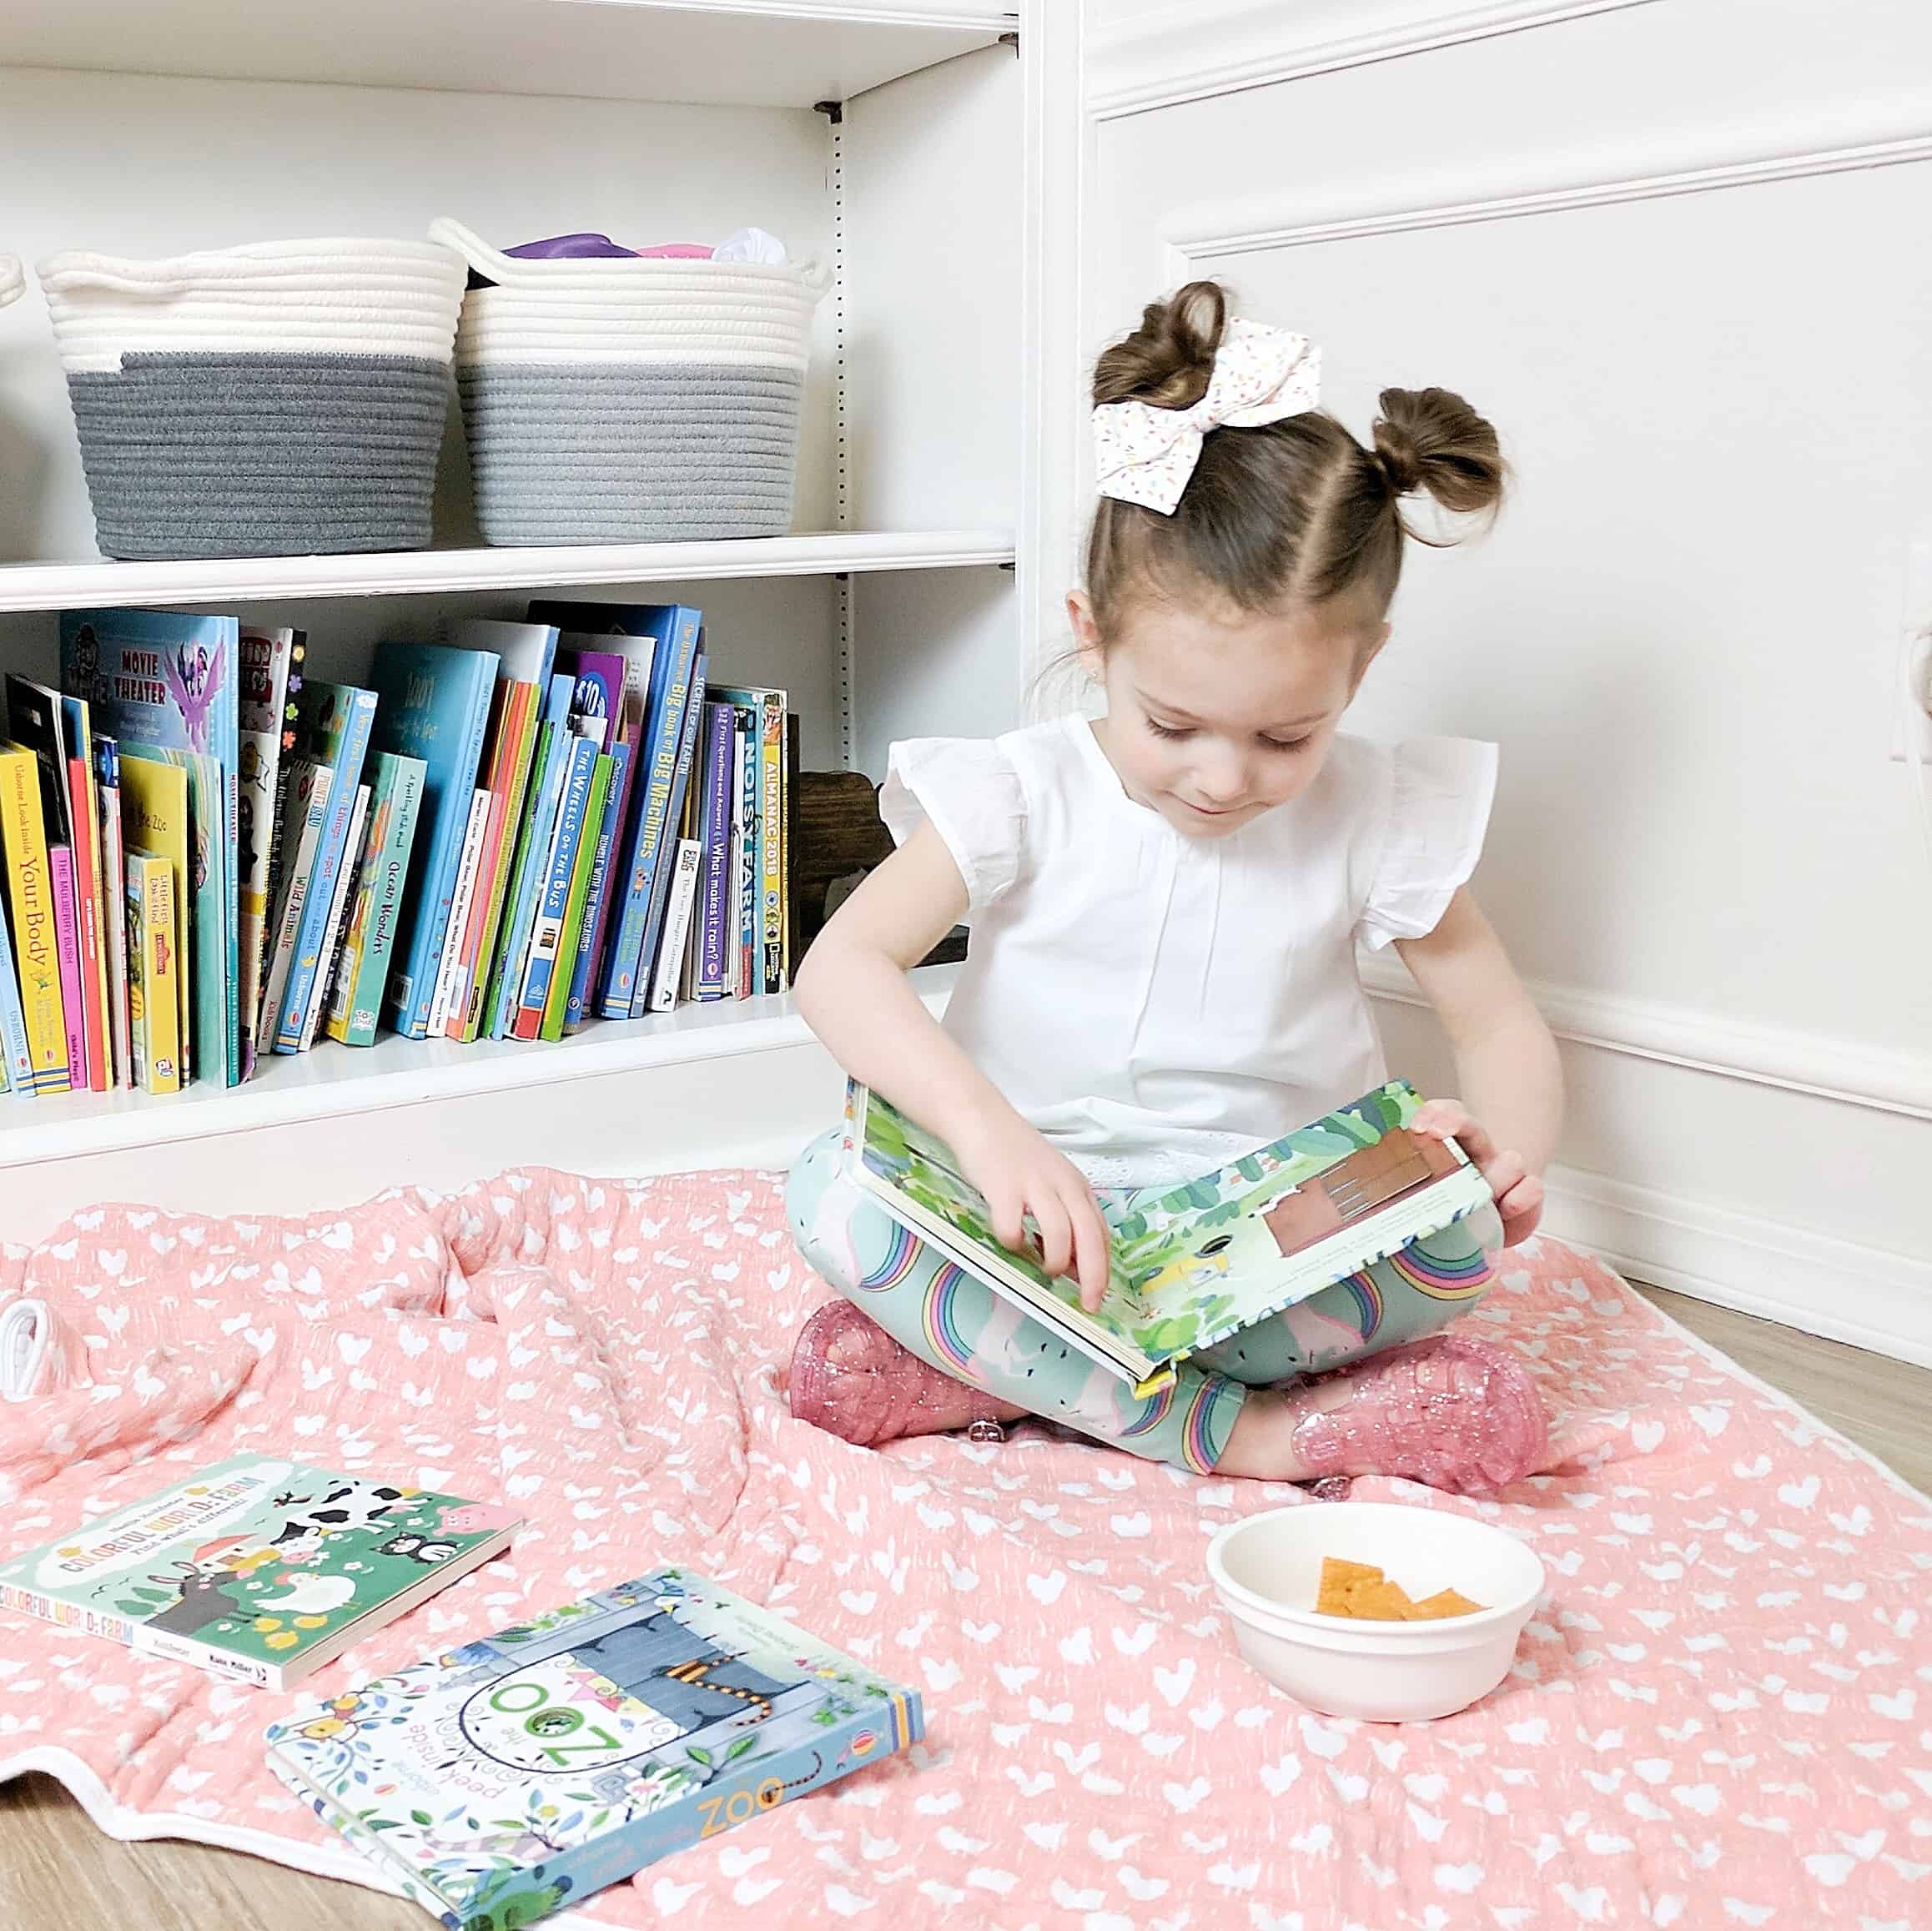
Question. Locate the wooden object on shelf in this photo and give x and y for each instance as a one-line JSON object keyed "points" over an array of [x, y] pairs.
{"points": [[837, 835]]}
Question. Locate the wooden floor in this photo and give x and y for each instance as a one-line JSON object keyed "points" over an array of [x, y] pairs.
{"points": [[58, 1873]]}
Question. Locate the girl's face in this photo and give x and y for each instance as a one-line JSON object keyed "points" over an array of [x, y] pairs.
{"points": [[1214, 714]]}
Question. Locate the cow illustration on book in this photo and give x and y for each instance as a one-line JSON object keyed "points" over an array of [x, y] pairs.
{"points": [[351, 1504]]}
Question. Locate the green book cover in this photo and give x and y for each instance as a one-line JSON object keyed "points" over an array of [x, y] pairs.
{"points": [[509, 954], [256, 1567], [557, 999], [394, 806], [1191, 1265]]}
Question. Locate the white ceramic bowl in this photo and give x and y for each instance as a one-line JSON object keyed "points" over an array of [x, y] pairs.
{"points": [[1267, 1568]]}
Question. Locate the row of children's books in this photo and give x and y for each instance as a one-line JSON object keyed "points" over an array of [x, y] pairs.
{"points": [[211, 857]]}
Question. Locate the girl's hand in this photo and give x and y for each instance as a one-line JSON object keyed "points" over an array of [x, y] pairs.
{"points": [[1019, 1174], [1519, 1194]]}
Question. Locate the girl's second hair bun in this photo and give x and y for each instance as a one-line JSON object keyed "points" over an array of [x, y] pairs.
{"points": [[1431, 440], [1169, 359]]}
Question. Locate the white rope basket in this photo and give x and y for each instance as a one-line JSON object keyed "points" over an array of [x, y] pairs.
{"points": [[287, 398], [634, 398]]}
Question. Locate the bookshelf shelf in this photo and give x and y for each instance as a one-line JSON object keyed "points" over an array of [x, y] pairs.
{"points": [[334, 1081], [41, 586], [722, 53]]}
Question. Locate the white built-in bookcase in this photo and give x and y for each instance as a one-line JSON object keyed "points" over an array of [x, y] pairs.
{"points": [[929, 149]]}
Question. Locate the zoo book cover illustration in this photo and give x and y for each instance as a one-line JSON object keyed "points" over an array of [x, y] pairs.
{"points": [[513, 1776], [1191, 1265], [256, 1567]]}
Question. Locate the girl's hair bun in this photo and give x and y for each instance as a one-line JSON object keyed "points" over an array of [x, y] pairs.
{"points": [[1431, 440], [1170, 358]]}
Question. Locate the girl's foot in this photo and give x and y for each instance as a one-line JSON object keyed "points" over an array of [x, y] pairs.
{"points": [[1451, 1411], [852, 1379]]}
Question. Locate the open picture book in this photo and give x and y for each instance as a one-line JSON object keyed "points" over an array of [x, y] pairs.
{"points": [[1191, 1265]]}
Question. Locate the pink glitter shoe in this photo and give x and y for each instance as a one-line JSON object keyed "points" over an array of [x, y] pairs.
{"points": [[852, 1379], [1454, 1412]]}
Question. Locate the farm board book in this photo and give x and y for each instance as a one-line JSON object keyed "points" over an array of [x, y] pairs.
{"points": [[255, 1567]]}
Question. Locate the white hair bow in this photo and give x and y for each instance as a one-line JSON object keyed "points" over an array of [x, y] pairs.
{"points": [[1145, 454]]}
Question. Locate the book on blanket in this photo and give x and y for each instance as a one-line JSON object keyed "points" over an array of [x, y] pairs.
{"points": [[1191, 1265], [255, 1567], [513, 1776]]}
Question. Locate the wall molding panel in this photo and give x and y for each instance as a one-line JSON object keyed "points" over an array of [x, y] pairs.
{"points": [[1813, 1063], [1255, 225], [1819, 1284], [1155, 61]]}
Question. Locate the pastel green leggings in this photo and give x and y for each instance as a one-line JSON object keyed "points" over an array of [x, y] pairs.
{"points": [[955, 1323]]}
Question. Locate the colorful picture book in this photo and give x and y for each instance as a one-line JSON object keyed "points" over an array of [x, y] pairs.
{"points": [[1192, 1265], [166, 685], [433, 702], [255, 1567], [515, 1776]]}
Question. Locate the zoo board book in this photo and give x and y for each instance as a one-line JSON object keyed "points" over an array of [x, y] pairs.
{"points": [[514, 1776], [255, 1567], [1191, 1265]]}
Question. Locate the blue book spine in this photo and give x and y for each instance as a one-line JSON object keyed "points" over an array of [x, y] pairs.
{"points": [[645, 858], [661, 890], [432, 702], [556, 885], [574, 1013], [547, 794], [719, 914], [19, 1060], [330, 856]]}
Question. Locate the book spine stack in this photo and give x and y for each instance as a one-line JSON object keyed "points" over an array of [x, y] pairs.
{"points": [[210, 858]]}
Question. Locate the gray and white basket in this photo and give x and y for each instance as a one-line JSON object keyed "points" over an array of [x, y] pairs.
{"points": [[632, 399], [285, 399], [12, 285]]}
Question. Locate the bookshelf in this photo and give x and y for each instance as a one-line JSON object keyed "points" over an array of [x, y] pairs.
{"points": [[935, 475]]}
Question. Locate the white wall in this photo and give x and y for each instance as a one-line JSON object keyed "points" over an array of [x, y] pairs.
{"points": [[1672, 250]]}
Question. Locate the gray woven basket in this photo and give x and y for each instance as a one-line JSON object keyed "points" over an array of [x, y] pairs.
{"points": [[630, 400], [287, 399]]}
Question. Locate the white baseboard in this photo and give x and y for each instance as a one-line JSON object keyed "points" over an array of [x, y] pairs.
{"points": [[1822, 1285]]}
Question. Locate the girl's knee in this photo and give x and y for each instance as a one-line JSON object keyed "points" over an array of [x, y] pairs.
{"points": [[819, 1203]]}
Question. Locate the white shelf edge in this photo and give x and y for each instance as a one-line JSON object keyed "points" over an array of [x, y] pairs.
{"points": [[334, 1080], [838, 13], [50, 586]]}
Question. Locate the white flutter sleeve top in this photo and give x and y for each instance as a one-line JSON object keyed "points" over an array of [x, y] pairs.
{"points": [[1157, 1004]]}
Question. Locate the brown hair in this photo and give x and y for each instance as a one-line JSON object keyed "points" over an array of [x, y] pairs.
{"points": [[1294, 510]]}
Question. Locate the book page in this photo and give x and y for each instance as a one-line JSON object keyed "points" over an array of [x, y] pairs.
{"points": [[914, 1165]]}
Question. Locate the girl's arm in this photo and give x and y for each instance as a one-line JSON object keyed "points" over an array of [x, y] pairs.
{"points": [[853, 991], [1512, 1080]]}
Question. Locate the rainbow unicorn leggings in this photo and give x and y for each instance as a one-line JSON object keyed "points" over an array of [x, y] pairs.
{"points": [[955, 1323]]}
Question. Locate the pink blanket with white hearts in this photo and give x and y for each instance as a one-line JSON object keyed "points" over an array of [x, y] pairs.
{"points": [[1721, 1718]]}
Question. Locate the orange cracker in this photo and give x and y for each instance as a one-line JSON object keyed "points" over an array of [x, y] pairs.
{"points": [[1339, 1580], [1446, 1602], [1360, 1590]]}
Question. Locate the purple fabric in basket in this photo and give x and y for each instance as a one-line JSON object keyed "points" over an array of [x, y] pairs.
{"points": [[572, 246]]}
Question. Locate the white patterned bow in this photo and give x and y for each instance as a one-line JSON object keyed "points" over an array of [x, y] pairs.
{"points": [[1144, 454]]}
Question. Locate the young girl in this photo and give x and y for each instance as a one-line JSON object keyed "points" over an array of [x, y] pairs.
{"points": [[1166, 905]]}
